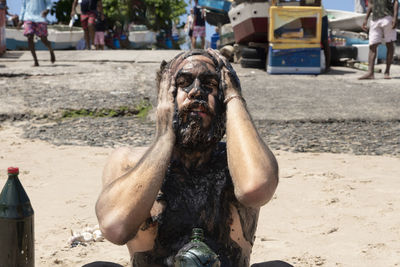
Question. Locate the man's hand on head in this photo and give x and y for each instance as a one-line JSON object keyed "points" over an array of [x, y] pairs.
{"points": [[166, 102], [230, 85], [230, 80]]}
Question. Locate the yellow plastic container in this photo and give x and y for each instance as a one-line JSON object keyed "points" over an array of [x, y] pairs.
{"points": [[295, 24]]}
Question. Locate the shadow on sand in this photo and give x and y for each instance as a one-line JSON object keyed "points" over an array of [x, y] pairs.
{"points": [[339, 72], [272, 264], [102, 264], [12, 54], [263, 264]]}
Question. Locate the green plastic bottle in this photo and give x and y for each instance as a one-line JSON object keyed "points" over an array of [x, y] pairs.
{"points": [[16, 224], [196, 253]]}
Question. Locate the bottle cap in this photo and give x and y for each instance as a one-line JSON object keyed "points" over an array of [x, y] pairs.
{"points": [[13, 170]]}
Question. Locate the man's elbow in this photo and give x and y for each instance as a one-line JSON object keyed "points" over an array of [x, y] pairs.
{"points": [[113, 234], [258, 194], [114, 230]]}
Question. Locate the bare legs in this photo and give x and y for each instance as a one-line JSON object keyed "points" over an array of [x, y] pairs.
{"points": [[92, 31], [89, 36], [48, 45], [203, 41], [193, 42], [371, 63], [31, 45], [389, 59]]}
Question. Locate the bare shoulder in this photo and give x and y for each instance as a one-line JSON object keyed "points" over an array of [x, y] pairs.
{"points": [[120, 161]]}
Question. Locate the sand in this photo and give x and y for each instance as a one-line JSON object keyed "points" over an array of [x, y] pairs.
{"points": [[328, 210]]}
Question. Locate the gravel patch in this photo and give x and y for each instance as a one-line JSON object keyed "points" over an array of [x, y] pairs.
{"points": [[333, 113], [359, 137]]}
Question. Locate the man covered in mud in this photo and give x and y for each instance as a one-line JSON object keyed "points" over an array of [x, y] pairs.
{"points": [[152, 198]]}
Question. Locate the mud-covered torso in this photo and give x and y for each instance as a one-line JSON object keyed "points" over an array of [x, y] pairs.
{"points": [[199, 198]]}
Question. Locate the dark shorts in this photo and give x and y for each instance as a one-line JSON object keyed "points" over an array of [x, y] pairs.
{"points": [[35, 28], [88, 18]]}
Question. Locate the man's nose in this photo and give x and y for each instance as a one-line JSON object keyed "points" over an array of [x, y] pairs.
{"points": [[196, 91]]}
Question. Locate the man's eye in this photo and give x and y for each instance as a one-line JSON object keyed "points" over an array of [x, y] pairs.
{"points": [[212, 84], [183, 83]]}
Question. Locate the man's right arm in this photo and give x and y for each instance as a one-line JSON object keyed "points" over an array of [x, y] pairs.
{"points": [[130, 186], [369, 11], [129, 192]]}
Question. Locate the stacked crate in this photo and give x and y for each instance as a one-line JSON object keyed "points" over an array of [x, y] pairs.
{"points": [[295, 40]]}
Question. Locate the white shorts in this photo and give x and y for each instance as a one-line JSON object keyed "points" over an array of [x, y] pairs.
{"points": [[99, 38], [382, 30]]}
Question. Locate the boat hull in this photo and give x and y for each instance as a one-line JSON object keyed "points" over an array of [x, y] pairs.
{"points": [[252, 30], [250, 22], [60, 40], [345, 20]]}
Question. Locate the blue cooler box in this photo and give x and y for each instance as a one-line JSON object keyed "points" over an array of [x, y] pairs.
{"points": [[294, 61]]}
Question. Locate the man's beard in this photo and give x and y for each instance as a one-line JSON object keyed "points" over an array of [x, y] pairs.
{"points": [[189, 130]]}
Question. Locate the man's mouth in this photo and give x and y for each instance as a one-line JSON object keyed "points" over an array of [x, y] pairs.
{"points": [[200, 111]]}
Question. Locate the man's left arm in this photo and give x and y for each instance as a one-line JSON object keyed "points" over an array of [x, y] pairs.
{"points": [[252, 165], [395, 13]]}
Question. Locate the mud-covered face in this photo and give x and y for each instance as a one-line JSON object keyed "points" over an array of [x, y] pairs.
{"points": [[199, 119]]}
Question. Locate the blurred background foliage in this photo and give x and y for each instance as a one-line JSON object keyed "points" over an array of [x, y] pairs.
{"points": [[157, 15]]}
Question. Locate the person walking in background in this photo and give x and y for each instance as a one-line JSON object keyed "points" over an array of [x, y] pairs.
{"points": [[382, 28], [88, 18], [13, 18], [199, 25], [33, 16], [360, 6], [189, 26], [100, 29]]}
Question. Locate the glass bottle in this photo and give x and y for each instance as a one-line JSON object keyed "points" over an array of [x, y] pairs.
{"points": [[196, 253], [16, 224]]}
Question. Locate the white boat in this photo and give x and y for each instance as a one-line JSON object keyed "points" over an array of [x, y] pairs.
{"points": [[345, 20], [60, 36], [141, 37]]}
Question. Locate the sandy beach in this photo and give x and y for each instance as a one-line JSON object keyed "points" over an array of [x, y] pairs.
{"points": [[330, 209]]}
